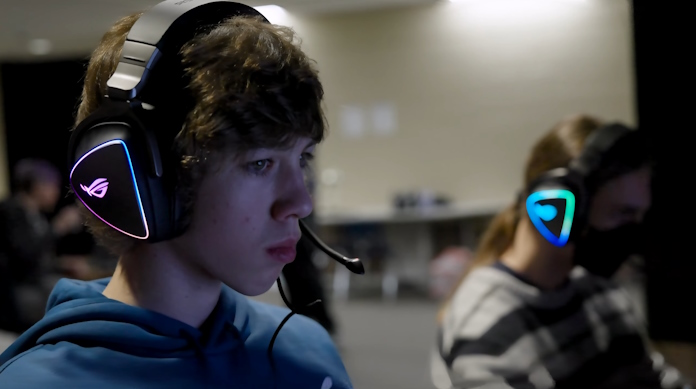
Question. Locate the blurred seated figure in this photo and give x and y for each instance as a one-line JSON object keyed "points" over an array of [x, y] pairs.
{"points": [[446, 269], [27, 242], [540, 308]]}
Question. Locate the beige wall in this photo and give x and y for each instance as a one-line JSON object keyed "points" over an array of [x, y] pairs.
{"points": [[472, 85], [473, 88]]}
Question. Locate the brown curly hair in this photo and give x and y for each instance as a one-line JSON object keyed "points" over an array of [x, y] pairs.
{"points": [[251, 86]]}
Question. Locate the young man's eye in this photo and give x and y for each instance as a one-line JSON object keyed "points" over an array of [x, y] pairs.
{"points": [[306, 158], [258, 166]]}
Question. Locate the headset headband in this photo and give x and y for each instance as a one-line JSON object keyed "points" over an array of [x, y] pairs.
{"points": [[597, 145], [163, 30]]}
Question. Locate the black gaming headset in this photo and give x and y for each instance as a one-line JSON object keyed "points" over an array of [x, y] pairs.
{"points": [[120, 158], [558, 201]]}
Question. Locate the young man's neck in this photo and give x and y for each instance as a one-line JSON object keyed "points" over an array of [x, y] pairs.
{"points": [[544, 265], [153, 277]]}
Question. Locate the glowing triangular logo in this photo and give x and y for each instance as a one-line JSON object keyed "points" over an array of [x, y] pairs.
{"points": [[542, 213]]}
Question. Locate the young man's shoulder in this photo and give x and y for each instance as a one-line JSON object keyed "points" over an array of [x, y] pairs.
{"points": [[298, 331], [303, 350], [303, 353], [34, 368], [276, 313]]}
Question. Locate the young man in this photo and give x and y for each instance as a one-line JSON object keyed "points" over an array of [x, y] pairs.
{"points": [[174, 313]]}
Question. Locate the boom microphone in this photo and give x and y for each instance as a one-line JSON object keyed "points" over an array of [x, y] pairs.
{"points": [[352, 264]]}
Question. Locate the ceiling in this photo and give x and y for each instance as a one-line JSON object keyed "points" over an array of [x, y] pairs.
{"points": [[69, 28]]}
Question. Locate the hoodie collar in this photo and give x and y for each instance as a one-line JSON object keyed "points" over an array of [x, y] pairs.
{"points": [[79, 313]]}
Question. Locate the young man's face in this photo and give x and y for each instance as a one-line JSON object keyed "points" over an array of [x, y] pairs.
{"points": [[244, 226]]}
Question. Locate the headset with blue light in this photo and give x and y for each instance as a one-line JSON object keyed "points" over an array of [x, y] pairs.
{"points": [[557, 202]]}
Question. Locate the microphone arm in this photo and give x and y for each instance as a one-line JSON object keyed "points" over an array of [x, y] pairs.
{"points": [[352, 264]]}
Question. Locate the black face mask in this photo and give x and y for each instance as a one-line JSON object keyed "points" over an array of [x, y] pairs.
{"points": [[603, 252]]}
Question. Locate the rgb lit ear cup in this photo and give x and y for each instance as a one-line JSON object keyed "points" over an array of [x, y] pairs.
{"points": [[104, 181], [116, 169], [555, 202], [552, 212]]}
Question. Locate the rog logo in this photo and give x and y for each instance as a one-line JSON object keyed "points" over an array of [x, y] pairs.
{"points": [[98, 188]]}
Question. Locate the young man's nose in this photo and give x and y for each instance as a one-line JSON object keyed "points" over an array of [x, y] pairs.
{"points": [[293, 198]]}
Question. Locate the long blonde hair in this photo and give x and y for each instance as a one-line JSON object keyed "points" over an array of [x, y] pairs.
{"points": [[555, 149]]}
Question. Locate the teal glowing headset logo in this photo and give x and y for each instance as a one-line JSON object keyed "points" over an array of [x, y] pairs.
{"points": [[539, 213]]}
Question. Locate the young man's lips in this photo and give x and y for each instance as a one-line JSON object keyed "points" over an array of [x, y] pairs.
{"points": [[284, 251], [283, 254]]}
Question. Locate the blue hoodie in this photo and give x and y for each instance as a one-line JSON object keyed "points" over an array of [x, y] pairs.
{"points": [[86, 340]]}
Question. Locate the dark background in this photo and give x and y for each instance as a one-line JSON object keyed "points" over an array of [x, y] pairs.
{"points": [[664, 40], [40, 101]]}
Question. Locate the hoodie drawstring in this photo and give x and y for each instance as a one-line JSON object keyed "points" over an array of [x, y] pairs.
{"points": [[282, 323], [200, 355]]}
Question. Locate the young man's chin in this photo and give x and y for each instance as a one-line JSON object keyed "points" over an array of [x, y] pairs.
{"points": [[257, 287]]}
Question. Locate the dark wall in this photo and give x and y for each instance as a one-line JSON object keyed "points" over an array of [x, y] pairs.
{"points": [[40, 100], [664, 40]]}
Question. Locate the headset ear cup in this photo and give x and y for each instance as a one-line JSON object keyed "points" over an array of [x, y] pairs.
{"points": [[104, 180], [551, 203], [109, 147]]}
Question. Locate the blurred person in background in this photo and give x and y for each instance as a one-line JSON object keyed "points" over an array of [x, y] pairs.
{"points": [[27, 242], [532, 314]]}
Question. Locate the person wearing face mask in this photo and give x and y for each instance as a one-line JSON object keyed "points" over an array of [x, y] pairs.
{"points": [[538, 308]]}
